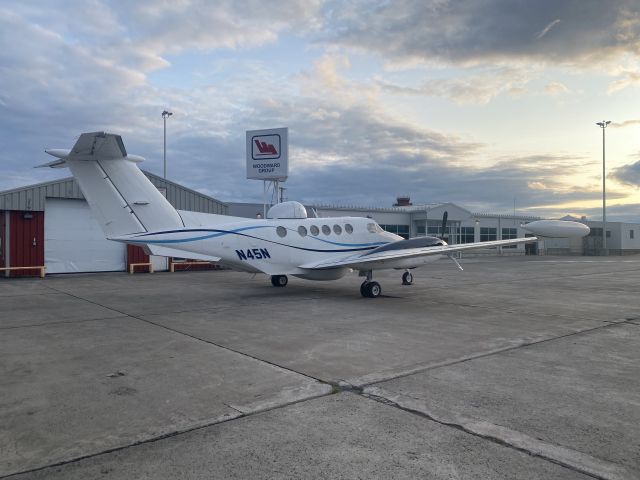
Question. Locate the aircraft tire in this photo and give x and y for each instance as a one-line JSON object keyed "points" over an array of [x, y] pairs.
{"points": [[279, 280], [407, 278], [363, 289], [373, 289]]}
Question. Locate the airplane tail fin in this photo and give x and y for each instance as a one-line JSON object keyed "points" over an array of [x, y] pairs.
{"points": [[121, 197]]}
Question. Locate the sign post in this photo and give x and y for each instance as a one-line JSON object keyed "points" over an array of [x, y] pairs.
{"points": [[268, 159]]}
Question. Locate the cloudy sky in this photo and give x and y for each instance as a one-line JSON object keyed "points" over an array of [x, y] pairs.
{"points": [[478, 102]]}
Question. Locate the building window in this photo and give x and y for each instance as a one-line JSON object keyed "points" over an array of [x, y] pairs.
{"points": [[488, 234], [508, 234], [467, 235], [402, 230], [608, 233], [631, 233]]}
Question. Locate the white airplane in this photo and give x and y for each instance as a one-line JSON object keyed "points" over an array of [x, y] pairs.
{"points": [[130, 209]]}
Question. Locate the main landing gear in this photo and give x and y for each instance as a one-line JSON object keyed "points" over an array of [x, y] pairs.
{"points": [[369, 288], [279, 280]]}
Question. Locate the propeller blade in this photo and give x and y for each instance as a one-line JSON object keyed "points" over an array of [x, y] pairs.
{"points": [[444, 223]]}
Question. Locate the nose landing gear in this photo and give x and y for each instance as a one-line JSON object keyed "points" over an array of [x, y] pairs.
{"points": [[407, 278]]}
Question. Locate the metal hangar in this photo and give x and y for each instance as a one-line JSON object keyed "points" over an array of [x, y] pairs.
{"points": [[51, 224]]}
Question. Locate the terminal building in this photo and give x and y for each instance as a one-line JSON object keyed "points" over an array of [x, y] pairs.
{"points": [[465, 226]]}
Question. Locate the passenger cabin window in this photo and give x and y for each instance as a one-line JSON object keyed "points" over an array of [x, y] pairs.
{"points": [[337, 229], [348, 228], [326, 230], [314, 230], [302, 231], [281, 231]]}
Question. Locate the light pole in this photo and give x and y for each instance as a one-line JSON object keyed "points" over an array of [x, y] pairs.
{"points": [[165, 114], [603, 125]]}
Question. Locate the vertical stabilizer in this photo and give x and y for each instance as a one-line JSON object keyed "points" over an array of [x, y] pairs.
{"points": [[121, 197]]}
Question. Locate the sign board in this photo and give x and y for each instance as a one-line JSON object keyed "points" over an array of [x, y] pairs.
{"points": [[268, 154]]}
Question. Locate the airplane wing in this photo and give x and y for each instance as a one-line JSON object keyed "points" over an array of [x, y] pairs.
{"points": [[387, 258]]}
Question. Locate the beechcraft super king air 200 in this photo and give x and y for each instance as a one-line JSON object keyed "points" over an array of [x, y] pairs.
{"points": [[130, 209]]}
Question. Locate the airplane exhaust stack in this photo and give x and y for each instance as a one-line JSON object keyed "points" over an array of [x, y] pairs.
{"points": [[557, 228]]}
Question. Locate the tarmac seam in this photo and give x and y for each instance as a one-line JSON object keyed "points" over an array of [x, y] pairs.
{"points": [[198, 338], [175, 433], [363, 381], [61, 322], [590, 466]]}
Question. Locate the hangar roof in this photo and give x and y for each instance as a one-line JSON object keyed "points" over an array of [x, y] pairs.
{"points": [[32, 197]]}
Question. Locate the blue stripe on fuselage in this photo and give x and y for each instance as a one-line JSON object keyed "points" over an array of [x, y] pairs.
{"points": [[219, 233]]}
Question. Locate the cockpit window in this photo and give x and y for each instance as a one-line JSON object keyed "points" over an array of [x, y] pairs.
{"points": [[371, 227]]}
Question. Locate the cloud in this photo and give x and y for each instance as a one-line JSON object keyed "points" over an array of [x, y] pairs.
{"points": [[471, 32], [555, 88], [628, 174], [629, 79], [475, 88], [626, 123]]}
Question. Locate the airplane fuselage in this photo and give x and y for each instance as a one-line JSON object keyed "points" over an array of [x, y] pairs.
{"points": [[276, 246]]}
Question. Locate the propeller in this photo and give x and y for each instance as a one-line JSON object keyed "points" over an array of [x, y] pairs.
{"points": [[444, 224], [444, 236]]}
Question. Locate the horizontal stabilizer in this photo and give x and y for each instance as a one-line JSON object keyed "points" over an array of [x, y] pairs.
{"points": [[60, 163], [92, 146], [172, 252], [58, 152]]}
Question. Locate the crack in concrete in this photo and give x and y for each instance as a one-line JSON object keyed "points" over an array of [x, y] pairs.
{"points": [[566, 457], [371, 379], [61, 322]]}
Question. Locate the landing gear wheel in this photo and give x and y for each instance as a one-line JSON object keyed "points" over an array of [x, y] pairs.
{"points": [[407, 278], [370, 289], [279, 280]]}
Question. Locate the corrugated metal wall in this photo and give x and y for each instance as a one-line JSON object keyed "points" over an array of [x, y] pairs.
{"points": [[33, 197], [26, 243]]}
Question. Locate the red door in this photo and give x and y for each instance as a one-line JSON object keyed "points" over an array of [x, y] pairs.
{"points": [[2, 242], [26, 242], [136, 254]]}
